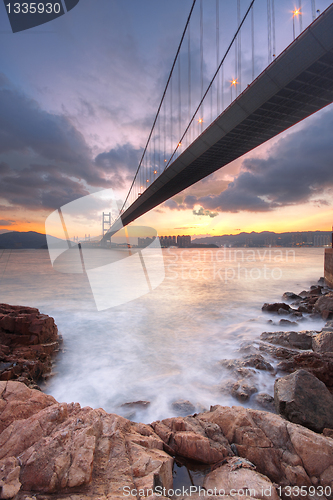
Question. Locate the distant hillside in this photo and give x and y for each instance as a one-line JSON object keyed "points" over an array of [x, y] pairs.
{"points": [[30, 239], [267, 238]]}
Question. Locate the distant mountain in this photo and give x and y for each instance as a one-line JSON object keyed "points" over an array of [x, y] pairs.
{"points": [[269, 238], [29, 239]]}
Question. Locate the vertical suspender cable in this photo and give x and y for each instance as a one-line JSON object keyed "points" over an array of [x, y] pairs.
{"points": [[239, 48], [189, 78], [165, 133], [171, 138], [160, 105], [300, 16], [269, 33], [179, 100], [201, 58], [217, 56], [313, 5], [273, 26], [252, 37]]}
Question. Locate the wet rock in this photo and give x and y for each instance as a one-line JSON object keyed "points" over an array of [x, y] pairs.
{"points": [[183, 407], [256, 361], [277, 351], [315, 290], [28, 339], [296, 340], [136, 404], [305, 400], [290, 296], [242, 390], [323, 342], [235, 475], [287, 322], [320, 365], [263, 401], [276, 307], [324, 305]]}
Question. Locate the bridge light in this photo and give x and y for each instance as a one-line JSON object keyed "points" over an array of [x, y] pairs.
{"points": [[179, 144], [297, 12], [234, 82], [155, 171], [200, 120], [147, 180], [165, 161]]}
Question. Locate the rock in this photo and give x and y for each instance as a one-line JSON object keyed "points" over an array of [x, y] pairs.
{"points": [[290, 296], [9, 477], [287, 322], [256, 361], [62, 446], [263, 401], [286, 453], [278, 352], [28, 339], [320, 365], [72, 453], [237, 475], [274, 308], [305, 400], [315, 290], [242, 391], [189, 438], [136, 404], [324, 305], [294, 340], [183, 407], [323, 342]]}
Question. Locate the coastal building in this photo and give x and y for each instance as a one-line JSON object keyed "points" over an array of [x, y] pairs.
{"points": [[145, 242], [184, 241]]}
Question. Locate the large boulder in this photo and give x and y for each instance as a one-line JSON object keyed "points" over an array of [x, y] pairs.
{"points": [[28, 339], [303, 399], [320, 365], [323, 342], [324, 305], [295, 340], [239, 475]]}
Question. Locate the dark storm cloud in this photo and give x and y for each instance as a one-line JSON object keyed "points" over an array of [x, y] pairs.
{"points": [[62, 161], [298, 169], [38, 187], [120, 162]]}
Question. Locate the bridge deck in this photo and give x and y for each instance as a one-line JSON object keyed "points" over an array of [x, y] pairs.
{"points": [[297, 84]]}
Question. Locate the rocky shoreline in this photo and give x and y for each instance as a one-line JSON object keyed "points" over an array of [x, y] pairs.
{"points": [[53, 451]]}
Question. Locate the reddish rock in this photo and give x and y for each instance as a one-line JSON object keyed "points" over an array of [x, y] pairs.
{"points": [[294, 340], [28, 340], [275, 308], [305, 400], [323, 342], [320, 365], [324, 305], [237, 475]]}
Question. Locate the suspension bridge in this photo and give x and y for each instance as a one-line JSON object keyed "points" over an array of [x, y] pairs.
{"points": [[205, 120]]}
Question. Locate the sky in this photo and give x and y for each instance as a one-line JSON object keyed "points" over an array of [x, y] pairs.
{"points": [[78, 97]]}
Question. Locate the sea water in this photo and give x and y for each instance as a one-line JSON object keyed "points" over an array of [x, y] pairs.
{"points": [[166, 345]]}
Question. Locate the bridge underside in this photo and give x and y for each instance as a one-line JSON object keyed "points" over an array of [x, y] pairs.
{"points": [[297, 84]]}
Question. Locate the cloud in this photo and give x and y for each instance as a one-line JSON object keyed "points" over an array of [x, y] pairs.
{"points": [[47, 160], [4, 222], [204, 212], [298, 169]]}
